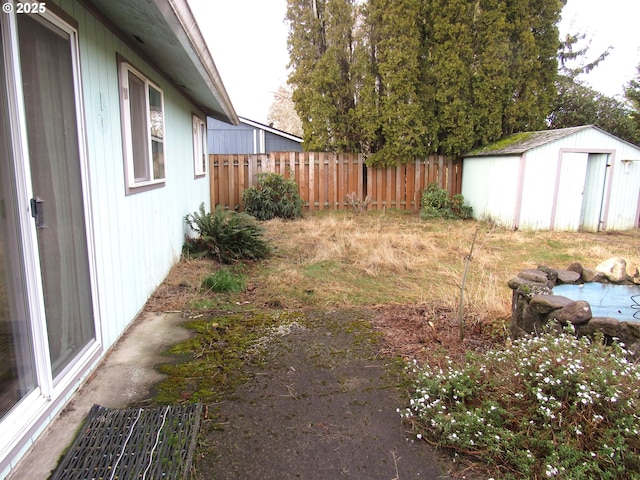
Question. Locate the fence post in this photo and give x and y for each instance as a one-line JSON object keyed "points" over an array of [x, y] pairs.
{"points": [[321, 180], [361, 192], [417, 188], [213, 188], [333, 185], [312, 190]]}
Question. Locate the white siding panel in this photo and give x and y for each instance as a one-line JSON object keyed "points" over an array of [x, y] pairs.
{"points": [[489, 186], [624, 197], [540, 174]]}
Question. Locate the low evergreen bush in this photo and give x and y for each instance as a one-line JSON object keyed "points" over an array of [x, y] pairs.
{"points": [[273, 196], [548, 406], [226, 236], [435, 203]]}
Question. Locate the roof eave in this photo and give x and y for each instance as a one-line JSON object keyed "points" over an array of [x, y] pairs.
{"points": [[166, 35], [191, 37]]}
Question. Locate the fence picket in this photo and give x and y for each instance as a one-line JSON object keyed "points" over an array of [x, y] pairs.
{"points": [[325, 179]]}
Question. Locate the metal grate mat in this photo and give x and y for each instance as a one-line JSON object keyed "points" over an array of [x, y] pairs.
{"points": [[143, 443]]}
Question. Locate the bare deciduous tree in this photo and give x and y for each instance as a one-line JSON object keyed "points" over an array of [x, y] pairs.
{"points": [[282, 113]]}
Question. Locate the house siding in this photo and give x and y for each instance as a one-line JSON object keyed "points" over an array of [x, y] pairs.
{"points": [[276, 143], [135, 238], [223, 138], [138, 237]]}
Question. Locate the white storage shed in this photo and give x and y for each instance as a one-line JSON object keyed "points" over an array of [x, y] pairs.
{"points": [[579, 178]]}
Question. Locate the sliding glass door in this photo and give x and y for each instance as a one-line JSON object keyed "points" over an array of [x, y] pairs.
{"points": [[47, 326], [17, 370], [57, 203]]}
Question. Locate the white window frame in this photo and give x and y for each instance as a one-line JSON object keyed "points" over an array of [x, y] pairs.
{"points": [[150, 179], [200, 153]]}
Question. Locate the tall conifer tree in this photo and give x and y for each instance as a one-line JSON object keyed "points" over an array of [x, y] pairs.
{"points": [[489, 70], [391, 112], [413, 77], [320, 51], [632, 94], [449, 49], [533, 64]]}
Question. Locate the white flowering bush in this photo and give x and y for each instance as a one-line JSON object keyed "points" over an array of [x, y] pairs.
{"points": [[548, 406]]}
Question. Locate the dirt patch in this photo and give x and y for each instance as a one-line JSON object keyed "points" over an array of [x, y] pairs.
{"points": [[324, 405], [431, 333]]}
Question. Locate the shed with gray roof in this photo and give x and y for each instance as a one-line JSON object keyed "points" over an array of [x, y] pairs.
{"points": [[578, 178]]}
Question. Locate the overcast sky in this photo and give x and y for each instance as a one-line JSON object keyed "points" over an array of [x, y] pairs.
{"points": [[248, 42]]}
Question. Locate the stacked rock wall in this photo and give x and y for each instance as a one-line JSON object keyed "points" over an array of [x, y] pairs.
{"points": [[534, 305]]}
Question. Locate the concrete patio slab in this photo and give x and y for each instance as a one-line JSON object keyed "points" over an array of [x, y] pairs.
{"points": [[125, 376]]}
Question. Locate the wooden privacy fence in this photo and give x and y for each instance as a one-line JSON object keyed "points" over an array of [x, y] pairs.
{"points": [[325, 179]]}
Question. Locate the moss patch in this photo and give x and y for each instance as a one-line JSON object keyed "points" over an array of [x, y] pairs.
{"points": [[502, 143], [209, 365]]}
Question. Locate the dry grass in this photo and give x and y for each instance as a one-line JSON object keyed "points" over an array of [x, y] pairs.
{"points": [[342, 260], [381, 258], [181, 288]]}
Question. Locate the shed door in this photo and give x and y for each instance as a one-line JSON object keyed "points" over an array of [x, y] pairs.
{"points": [[592, 214], [570, 191]]}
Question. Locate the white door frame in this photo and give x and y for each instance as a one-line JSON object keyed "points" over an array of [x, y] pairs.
{"points": [[35, 409]]}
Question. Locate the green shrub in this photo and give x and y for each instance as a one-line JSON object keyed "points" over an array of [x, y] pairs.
{"points": [[226, 236], [273, 196], [435, 203], [546, 406], [224, 280]]}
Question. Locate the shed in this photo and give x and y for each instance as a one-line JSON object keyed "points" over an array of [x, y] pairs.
{"points": [[580, 178], [249, 137], [103, 107]]}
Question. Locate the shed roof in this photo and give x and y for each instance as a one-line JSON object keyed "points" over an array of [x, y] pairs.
{"points": [[166, 32], [521, 142]]}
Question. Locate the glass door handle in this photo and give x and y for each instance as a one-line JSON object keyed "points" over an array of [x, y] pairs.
{"points": [[37, 212]]}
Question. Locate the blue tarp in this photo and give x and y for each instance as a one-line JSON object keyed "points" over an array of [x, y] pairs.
{"points": [[606, 300]]}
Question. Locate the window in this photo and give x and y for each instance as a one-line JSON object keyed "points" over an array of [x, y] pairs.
{"points": [[142, 106], [199, 146]]}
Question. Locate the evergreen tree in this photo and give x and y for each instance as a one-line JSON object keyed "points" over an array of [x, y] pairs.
{"points": [[533, 64], [399, 79], [306, 45], [390, 113], [578, 104], [571, 56], [320, 49], [368, 84], [449, 46], [632, 94], [490, 70]]}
